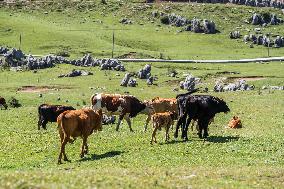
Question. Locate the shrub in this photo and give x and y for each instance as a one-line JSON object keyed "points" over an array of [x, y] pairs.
{"points": [[14, 103]]}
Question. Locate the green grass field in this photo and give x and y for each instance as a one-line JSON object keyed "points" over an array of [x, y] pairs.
{"points": [[251, 157]]}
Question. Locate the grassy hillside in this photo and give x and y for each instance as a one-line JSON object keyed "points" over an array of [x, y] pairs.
{"points": [[251, 157], [80, 29]]}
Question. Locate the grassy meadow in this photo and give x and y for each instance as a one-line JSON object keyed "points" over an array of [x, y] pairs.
{"points": [[251, 157]]}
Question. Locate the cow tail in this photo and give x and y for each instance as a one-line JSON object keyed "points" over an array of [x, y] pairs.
{"points": [[60, 121], [91, 99]]}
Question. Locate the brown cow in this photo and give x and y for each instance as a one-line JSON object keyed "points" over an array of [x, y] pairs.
{"points": [[160, 120], [235, 123], [126, 106], [161, 105], [75, 123], [3, 103]]}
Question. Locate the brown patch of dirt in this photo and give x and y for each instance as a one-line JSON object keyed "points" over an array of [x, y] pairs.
{"points": [[134, 55], [38, 89], [173, 82]]}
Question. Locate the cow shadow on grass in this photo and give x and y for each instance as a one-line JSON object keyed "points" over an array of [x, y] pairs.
{"points": [[174, 141], [102, 156], [222, 139]]}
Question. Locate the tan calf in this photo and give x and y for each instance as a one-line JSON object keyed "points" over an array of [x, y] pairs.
{"points": [[162, 120], [75, 123], [161, 105]]}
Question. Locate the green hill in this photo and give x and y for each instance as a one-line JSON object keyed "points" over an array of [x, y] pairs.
{"points": [[79, 28]]}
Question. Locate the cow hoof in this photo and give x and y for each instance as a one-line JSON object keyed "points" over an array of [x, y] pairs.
{"points": [[185, 139], [59, 162], [66, 159], [175, 135], [199, 135]]}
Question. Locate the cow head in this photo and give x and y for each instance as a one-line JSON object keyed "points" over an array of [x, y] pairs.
{"points": [[96, 101], [148, 108], [222, 106]]}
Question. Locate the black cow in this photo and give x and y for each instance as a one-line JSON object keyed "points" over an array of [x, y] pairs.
{"points": [[3, 103], [49, 113], [181, 102], [202, 108]]}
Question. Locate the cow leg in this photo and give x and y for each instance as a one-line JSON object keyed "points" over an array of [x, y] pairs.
{"points": [[147, 122], [83, 146], [119, 121], [86, 149], [128, 122], [154, 135], [200, 128], [39, 123], [167, 133], [43, 123], [62, 150], [185, 129], [205, 127], [179, 122]]}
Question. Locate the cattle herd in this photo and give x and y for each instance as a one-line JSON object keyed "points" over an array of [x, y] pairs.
{"points": [[185, 108]]}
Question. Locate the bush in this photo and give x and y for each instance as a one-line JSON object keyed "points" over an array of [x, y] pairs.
{"points": [[165, 20], [63, 53], [266, 17], [14, 103]]}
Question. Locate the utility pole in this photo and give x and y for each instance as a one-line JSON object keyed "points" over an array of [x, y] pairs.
{"points": [[20, 41], [112, 44]]}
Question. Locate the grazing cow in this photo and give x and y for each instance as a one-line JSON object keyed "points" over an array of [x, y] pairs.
{"points": [[3, 103], [160, 120], [181, 101], [161, 105], [201, 108], [235, 123], [126, 106], [49, 113], [75, 123]]}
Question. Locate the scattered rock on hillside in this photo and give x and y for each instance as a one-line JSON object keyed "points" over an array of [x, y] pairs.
{"points": [[265, 18], [107, 120], [128, 81], [209, 26], [273, 87], [132, 82], [125, 21], [235, 35], [125, 80], [3, 50], [240, 85], [189, 83], [145, 72], [75, 73]]}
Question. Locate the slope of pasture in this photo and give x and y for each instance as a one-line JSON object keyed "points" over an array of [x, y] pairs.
{"points": [[251, 157], [79, 30]]}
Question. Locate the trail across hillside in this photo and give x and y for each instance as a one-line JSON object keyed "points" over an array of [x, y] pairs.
{"points": [[270, 59]]}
